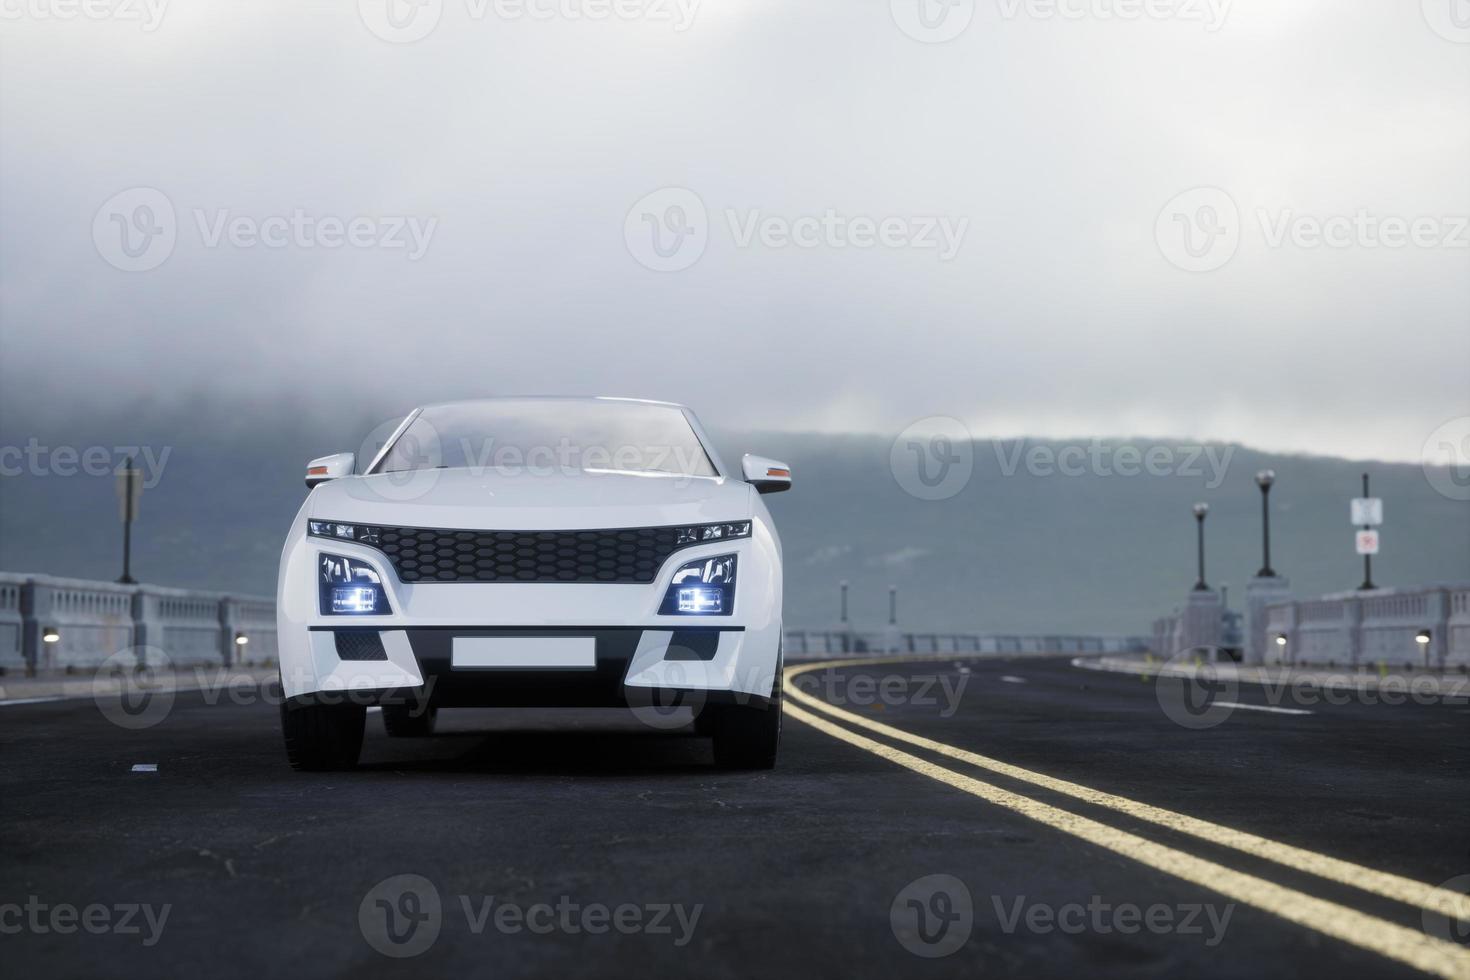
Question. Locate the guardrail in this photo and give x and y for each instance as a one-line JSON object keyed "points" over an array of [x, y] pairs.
{"points": [[61, 624], [1426, 627], [799, 644]]}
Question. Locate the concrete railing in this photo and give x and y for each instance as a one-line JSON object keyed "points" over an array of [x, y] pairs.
{"points": [[797, 644], [1360, 629], [11, 622], [59, 624]]}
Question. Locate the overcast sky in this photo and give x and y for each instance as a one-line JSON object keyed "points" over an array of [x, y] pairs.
{"points": [[868, 223]]}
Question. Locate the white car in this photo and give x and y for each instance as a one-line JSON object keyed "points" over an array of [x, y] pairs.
{"points": [[533, 551]]}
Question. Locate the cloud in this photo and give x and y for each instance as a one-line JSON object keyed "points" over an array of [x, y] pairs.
{"points": [[527, 143]]}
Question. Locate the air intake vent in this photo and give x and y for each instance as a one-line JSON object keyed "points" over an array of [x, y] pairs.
{"points": [[360, 645]]}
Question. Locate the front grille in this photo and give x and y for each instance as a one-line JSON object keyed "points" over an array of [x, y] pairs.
{"points": [[627, 555]]}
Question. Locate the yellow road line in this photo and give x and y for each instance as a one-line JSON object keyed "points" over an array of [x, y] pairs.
{"points": [[1434, 956], [1396, 887]]}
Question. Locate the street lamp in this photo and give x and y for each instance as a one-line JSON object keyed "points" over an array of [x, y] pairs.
{"points": [[892, 605], [844, 602], [1264, 479], [50, 635], [241, 639], [1200, 510], [1422, 638]]}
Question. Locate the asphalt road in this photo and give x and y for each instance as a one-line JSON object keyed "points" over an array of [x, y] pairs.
{"points": [[577, 844]]}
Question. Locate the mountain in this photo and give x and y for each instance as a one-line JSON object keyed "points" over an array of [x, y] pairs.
{"points": [[1044, 536]]}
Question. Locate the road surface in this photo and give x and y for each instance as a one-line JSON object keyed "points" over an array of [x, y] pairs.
{"points": [[579, 844]]}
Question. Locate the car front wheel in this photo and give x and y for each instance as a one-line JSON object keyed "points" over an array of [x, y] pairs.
{"points": [[322, 736], [747, 736]]}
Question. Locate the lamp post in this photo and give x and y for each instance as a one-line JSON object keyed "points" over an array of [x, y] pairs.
{"points": [[843, 617], [1264, 479], [1200, 510], [1367, 585], [893, 605]]}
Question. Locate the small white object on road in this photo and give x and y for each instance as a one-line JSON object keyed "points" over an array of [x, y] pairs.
{"points": [[373, 708], [1013, 679], [145, 767], [1263, 707]]}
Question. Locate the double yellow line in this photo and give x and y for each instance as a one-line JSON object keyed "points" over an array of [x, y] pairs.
{"points": [[1423, 952]]}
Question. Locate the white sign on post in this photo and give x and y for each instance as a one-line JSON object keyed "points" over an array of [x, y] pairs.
{"points": [[124, 478], [1367, 542], [1367, 511]]}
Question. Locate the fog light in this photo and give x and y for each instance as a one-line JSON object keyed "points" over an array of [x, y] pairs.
{"points": [[701, 600], [351, 587], [701, 588], [354, 599]]}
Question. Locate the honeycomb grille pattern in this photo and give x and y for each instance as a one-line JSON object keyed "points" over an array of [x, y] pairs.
{"points": [[629, 555], [360, 645]]}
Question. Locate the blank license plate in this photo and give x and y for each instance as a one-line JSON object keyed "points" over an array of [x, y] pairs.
{"points": [[524, 652]]}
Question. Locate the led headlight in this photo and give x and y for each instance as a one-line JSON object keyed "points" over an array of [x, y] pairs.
{"points": [[348, 587], [702, 588], [699, 533], [361, 533]]}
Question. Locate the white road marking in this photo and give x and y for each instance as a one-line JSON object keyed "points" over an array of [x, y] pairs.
{"points": [[1012, 679], [373, 708], [56, 697], [1263, 707], [145, 767]]}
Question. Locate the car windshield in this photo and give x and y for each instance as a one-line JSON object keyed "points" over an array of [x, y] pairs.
{"points": [[549, 435]]}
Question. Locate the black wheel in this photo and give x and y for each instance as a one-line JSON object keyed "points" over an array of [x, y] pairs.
{"points": [[409, 721], [704, 721], [322, 736], [747, 736]]}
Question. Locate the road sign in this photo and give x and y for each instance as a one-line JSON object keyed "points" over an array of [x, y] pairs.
{"points": [[1367, 542], [1367, 511], [129, 490]]}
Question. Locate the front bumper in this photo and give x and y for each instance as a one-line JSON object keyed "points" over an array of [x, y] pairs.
{"points": [[634, 667]]}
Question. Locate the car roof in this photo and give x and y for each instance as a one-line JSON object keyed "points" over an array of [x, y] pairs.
{"points": [[585, 399]]}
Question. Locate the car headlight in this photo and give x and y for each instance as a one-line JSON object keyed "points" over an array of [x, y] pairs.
{"points": [[700, 533], [702, 588], [349, 587], [361, 533]]}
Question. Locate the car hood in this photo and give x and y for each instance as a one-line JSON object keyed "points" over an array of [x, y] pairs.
{"points": [[489, 500]]}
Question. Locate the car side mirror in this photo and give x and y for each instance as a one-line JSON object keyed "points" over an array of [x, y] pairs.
{"points": [[329, 468], [766, 475]]}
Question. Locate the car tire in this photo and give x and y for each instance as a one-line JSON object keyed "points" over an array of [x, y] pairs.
{"points": [[704, 721], [322, 737], [747, 736], [400, 721]]}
